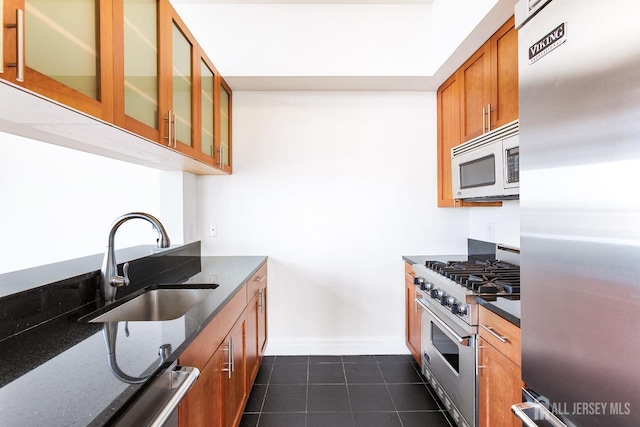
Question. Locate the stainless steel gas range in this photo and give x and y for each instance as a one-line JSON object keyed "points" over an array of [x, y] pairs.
{"points": [[447, 292]]}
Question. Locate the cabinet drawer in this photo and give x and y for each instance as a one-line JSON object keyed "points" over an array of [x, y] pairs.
{"points": [[257, 281], [501, 334], [409, 275]]}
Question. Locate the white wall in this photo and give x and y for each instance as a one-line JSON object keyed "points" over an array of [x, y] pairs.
{"points": [[499, 224], [58, 203], [334, 187]]}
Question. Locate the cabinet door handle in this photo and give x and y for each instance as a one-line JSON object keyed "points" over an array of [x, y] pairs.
{"points": [[175, 130], [19, 26], [261, 300], [490, 329], [169, 129], [229, 351], [484, 121], [488, 117], [221, 155], [231, 358]]}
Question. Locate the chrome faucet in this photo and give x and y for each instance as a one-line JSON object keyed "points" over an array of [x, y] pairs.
{"points": [[109, 279]]}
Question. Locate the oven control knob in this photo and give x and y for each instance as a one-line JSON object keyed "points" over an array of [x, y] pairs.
{"points": [[444, 299], [435, 293], [419, 281], [451, 301], [460, 309]]}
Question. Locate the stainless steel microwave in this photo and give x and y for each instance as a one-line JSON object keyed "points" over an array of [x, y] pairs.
{"points": [[487, 168]]}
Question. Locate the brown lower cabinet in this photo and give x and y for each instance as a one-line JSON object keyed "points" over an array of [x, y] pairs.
{"points": [[228, 353], [413, 314], [499, 370], [231, 359]]}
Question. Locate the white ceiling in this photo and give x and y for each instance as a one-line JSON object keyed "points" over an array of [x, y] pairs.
{"points": [[304, 1], [392, 45]]}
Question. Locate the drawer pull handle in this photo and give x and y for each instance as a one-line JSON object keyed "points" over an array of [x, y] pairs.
{"points": [[260, 279], [489, 329]]}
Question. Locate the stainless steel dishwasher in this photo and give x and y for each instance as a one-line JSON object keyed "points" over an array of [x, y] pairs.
{"points": [[157, 406]]}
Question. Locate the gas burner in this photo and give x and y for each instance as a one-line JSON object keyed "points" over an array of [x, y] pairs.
{"points": [[481, 276]]}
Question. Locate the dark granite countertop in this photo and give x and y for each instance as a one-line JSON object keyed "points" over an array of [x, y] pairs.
{"points": [[507, 308], [56, 372], [421, 259]]}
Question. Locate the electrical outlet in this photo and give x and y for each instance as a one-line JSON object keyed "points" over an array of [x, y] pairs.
{"points": [[213, 278], [213, 230]]}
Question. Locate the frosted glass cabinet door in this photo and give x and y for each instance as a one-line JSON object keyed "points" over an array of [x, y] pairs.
{"points": [[62, 42], [141, 61], [207, 110], [62, 50], [182, 86], [225, 126]]}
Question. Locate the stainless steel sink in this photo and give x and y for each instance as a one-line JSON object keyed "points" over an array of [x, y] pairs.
{"points": [[159, 303]]}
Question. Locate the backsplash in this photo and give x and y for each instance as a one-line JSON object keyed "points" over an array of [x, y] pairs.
{"points": [[78, 295], [498, 225]]}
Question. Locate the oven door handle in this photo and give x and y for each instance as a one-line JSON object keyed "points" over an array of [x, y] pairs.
{"points": [[465, 341]]}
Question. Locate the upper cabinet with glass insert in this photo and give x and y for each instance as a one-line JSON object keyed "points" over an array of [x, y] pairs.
{"points": [[137, 80], [177, 90], [224, 142], [62, 50], [206, 121], [154, 73], [132, 63]]}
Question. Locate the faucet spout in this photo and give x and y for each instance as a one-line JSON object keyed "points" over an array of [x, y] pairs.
{"points": [[110, 281]]}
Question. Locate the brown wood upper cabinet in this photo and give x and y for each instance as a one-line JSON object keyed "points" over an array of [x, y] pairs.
{"points": [[489, 84], [157, 72], [61, 50], [132, 63], [480, 96]]}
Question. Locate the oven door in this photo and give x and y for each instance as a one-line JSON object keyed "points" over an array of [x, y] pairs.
{"points": [[449, 362]]}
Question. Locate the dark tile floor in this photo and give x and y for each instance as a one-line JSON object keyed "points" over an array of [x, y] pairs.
{"points": [[342, 391]]}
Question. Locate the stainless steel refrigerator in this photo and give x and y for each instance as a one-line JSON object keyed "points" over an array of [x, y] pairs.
{"points": [[579, 69]]}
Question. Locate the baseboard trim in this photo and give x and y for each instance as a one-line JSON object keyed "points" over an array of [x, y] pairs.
{"points": [[333, 346]]}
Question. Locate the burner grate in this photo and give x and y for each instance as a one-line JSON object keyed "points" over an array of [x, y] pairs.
{"points": [[490, 276]]}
